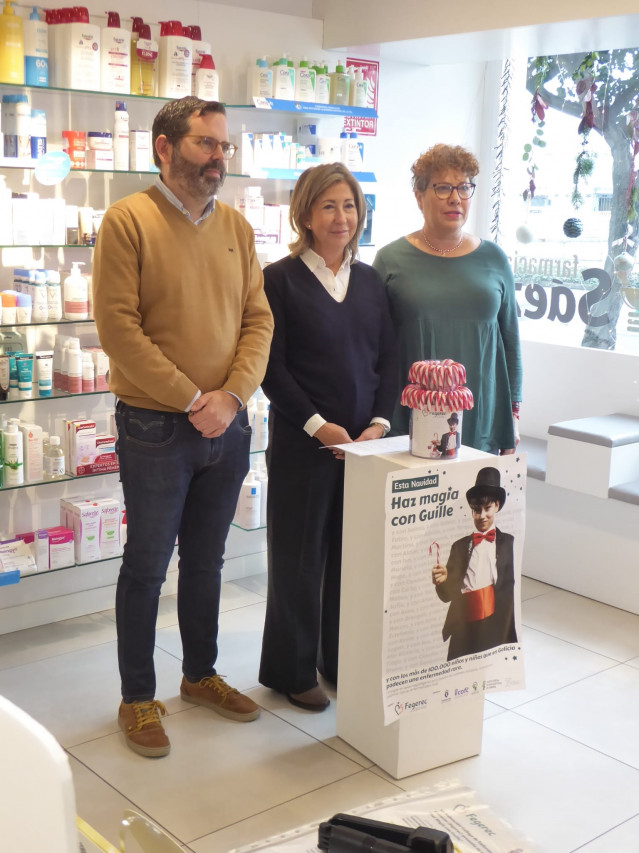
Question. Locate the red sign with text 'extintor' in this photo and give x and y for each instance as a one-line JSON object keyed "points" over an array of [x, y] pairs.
{"points": [[365, 126]]}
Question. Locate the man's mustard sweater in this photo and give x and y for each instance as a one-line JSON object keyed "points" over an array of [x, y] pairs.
{"points": [[178, 307]]}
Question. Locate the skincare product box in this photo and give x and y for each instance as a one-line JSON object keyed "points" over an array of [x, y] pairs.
{"points": [[103, 460], [100, 160], [139, 151], [60, 547], [85, 518], [109, 527], [15, 555], [81, 444]]}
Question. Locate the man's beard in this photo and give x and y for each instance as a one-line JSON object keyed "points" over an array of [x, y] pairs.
{"points": [[192, 176]]}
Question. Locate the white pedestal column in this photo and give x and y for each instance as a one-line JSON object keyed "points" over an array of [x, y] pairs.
{"points": [[419, 741]]}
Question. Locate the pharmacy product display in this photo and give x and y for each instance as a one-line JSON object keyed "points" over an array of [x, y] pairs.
{"points": [[437, 397]]}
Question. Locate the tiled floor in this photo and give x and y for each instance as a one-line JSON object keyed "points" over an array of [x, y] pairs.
{"points": [[560, 759]]}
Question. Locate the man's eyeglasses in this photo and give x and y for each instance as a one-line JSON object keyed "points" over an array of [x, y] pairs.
{"points": [[444, 191], [209, 144]]}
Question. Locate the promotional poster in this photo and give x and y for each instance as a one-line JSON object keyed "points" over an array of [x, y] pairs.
{"points": [[454, 536]]}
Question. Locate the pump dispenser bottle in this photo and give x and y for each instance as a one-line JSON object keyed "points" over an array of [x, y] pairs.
{"points": [[175, 61], [36, 50], [199, 49], [115, 51], [207, 81], [259, 83], [11, 46], [76, 295], [305, 82], [340, 83], [144, 60]]}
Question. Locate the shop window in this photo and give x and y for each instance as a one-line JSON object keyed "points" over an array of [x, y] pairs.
{"points": [[566, 196]]}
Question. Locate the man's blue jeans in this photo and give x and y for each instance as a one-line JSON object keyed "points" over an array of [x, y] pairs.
{"points": [[175, 483]]}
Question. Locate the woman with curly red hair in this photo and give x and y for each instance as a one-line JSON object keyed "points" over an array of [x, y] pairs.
{"points": [[452, 295]]}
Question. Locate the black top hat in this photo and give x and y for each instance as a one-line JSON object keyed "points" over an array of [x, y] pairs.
{"points": [[487, 485], [453, 419]]}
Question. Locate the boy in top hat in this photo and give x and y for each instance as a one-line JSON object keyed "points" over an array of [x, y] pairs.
{"points": [[478, 579], [451, 441]]}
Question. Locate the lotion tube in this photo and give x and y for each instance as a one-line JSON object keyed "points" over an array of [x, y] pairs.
{"points": [[44, 362]]}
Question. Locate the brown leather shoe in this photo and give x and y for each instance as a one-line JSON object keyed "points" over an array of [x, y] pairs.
{"points": [[214, 693], [310, 700], [142, 727]]}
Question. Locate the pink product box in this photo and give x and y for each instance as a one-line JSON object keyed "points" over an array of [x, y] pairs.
{"points": [[104, 460], [81, 444], [60, 547]]}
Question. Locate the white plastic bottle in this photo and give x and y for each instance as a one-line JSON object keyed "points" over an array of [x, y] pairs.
{"points": [[343, 147], [359, 91], [74, 367], [121, 138], [11, 46], [115, 56], [354, 159], [36, 50], [54, 296], [88, 373], [340, 83], [207, 80], [54, 462], [76, 294], [199, 49], [39, 304], [261, 425], [13, 470], [260, 474], [82, 56], [175, 61], [322, 85], [248, 505], [259, 81], [283, 80], [305, 82]]}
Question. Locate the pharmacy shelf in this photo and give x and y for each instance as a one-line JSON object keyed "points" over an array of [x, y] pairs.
{"points": [[293, 175], [55, 395], [56, 90], [59, 569], [248, 529], [305, 108], [30, 163], [46, 246], [66, 478], [45, 323]]}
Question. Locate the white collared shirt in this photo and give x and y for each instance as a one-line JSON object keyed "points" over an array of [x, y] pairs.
{"points": [[482, 566], [335, 284]]}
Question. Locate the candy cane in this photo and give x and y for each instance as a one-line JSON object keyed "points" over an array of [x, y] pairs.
{"points": [[434, 545]]}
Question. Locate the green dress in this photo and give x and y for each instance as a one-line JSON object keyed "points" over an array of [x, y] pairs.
{"points": [[461, 308]]}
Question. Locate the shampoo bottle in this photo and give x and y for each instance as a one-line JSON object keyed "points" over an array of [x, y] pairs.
{"points": [[54, 297], [359, 92], [259, 83], [322, 85], [13, 470], [340, 82], [175, 61], [144, 60], [36, 50], [283, 80], [207, 81], [76, 294], [199, 49], [305, 82], [11, 46], [115, 56], [82, 52], [121, 138]]}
